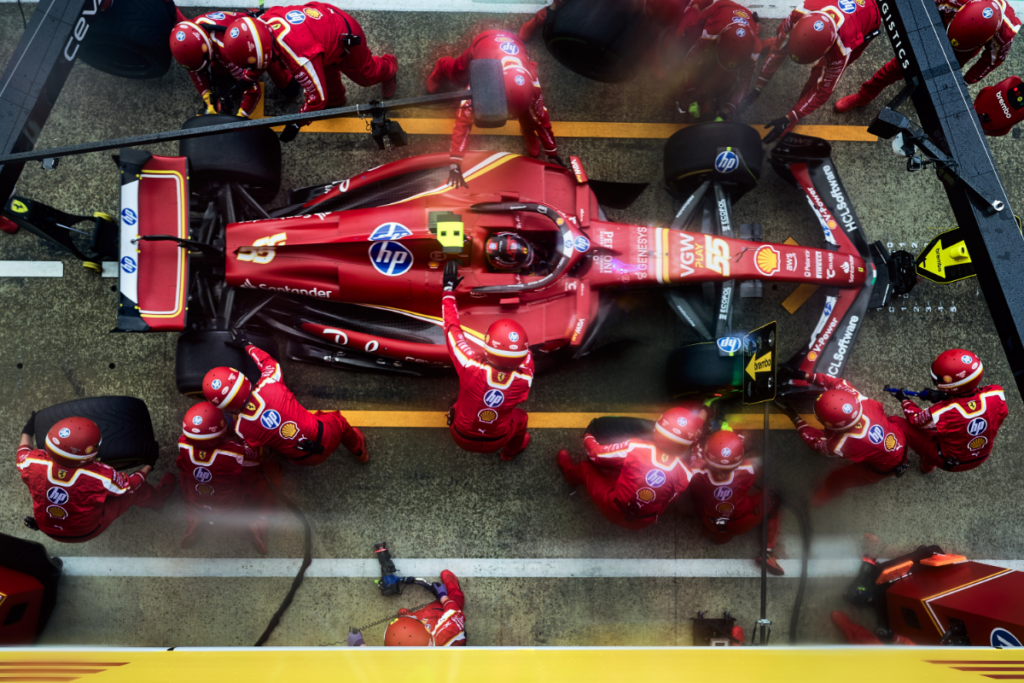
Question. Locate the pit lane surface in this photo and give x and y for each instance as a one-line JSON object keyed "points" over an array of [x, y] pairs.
{"points": [[419, 493]]}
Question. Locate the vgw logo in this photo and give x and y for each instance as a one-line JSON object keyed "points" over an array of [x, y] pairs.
{"points": [[390, 258], [726, 162]]}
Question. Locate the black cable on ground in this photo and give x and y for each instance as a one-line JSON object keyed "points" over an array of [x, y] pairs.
{"points": [[799, 509], [307, 559], [22, 10]]}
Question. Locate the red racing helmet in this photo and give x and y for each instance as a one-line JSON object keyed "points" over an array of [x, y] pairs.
{"points": [[957, 371], [507, 251], [735, 46], [724, 450], [811, 38], [838, 410], [974, 24], [226, 388], [248, 43], [74, 438], [518, 90], [506, 344], [407, 632], [191, 46], [204, 425], [678, 428]]}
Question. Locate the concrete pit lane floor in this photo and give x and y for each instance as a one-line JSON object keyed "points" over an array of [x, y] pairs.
{"points": [[540, 565]]}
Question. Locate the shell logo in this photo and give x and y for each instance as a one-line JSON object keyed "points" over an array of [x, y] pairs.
{"points": [[646, 495], [812, 356], [56, 511], [767, 260], [312, 13], [724, 508], [977, 443], [289, 430], [890, 442], [204, 490], [487, 415]]}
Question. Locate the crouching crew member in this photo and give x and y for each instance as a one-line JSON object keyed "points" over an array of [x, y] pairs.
{"points": [[726, 497], [956, 434], [634, 481], [221, 477], [856, 430], [270, 415], [442, 623], [74, 496], [485, 417]]}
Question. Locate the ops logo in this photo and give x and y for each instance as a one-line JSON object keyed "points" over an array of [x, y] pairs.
{"points": [[494, 398], [390, 258], [977, 426], [270, 419], [57, 495], [727, 161], [202, 475]]}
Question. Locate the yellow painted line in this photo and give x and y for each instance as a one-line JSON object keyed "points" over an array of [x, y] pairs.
{"points": [[426, 418], [799, 297]]}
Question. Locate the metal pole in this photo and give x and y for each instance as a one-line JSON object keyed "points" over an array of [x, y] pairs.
{"points": [[765, 504]]}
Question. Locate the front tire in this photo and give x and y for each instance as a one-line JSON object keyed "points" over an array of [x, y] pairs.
{"points": [[691, 153]]}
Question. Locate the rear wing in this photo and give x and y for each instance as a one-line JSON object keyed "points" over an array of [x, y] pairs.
{"points": [[153, 276]]}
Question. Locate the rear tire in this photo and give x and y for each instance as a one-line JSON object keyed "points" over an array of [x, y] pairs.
{"points": [[251, 158], [130, 39], [699, 369], [124, 423], [691, 152], [200, 352], [604, 40]]}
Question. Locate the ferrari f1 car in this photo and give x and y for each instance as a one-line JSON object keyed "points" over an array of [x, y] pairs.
{"points": [[350, 273]]}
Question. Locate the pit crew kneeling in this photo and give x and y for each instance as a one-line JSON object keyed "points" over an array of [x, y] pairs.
{"points": [[441, 623], [270, 415], [725, 495], [74, 496], [222, 479]]}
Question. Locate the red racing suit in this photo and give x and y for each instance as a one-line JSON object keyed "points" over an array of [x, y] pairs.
{"points": [[993, 53], [956, 434], [631, 482], [485, 417], [995, 107], [731, 506], [446, 622], [506, 47], [876, 445], [860, 18], [74, 505], [222, 67], [703, 79], [308, 44], [273, 417]]}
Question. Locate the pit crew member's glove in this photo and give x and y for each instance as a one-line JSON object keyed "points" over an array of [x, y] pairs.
{"points": [[238, 340], [787, 410], [355, 639], [748, 100], [932, 396], [30, 426], [290, 132], [790, 374], [450, 278], [211, 103], [778, 126], [439, 590], [455, 178]]}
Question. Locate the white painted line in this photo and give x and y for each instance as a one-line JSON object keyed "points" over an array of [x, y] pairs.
{"points": [[109, 268], [31, 269]]}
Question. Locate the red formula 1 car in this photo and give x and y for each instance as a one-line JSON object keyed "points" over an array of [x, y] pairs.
{"points": [[350, 273]]}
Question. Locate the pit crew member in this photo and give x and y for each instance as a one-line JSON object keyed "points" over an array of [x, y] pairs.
{"points": [[833, 34], [956, 434], [442, 623], [197, 45], [634, 481], [316, 43], [75, 497], [270, 415], [522, 95], [973, 26], [725, 494], [485, 417], [856, 430], [221, 477]]}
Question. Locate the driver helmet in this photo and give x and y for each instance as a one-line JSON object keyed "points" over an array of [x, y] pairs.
{"points": [[812, 36], [678, 428], [226, 388], [838, 409], [957, 371], [507, 251], [73, 439], [248, 43], [518, 90], [506, 344], [204, 425], [406, 631], [724, 450], [191, 46], [974, 24], [736, 44]]}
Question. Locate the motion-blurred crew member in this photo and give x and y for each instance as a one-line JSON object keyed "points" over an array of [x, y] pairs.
{"points": [[522, 95], [442, 623], [270, 415], [958, 433], [75, 497], [495, 376], [726, 496], [973, 26]]}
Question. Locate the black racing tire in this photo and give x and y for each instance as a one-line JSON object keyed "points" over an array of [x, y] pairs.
{"points": [[699, 369], [251, 158], [613, 429], [200, 352], [604, 40], [691, 152], [130, 39], [124, 423]]}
